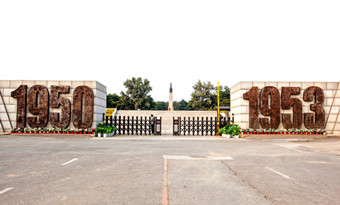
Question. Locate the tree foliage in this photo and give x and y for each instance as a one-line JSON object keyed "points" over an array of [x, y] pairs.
{"points": [[122, 102], [112, 100], [161, 105], [224, 96], [181, 105], [204, 96], [138, 90], [136, 96]]}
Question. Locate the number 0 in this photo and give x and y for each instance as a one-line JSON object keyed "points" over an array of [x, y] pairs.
{"points": [[82, 111]]}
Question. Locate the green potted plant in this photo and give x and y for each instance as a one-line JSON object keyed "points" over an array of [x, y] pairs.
{"points": [[283, 131], [20, 130], [17, 130], [114, 130], [225, 131], [92, 130], [26, 130], [107, 131], [86, 131], [99, 131], [33, 130], [265, 131], [52, 130], [248, 131], [77, 131], [251, 131], [235, 130], [321, 131]]}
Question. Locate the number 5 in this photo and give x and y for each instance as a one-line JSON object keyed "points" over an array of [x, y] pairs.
{"points": [[287, 103], [65, 103]]}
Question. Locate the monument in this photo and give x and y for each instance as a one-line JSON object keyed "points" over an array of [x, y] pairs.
{"points": [[170, 106], [51, 104], [287, 105]]}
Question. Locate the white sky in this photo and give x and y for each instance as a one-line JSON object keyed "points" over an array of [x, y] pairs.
{"points": [[178, 41]]}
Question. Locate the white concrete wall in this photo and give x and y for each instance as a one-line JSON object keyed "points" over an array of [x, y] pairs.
{"points": [[240, 107], [167, 116], [7, 86]]}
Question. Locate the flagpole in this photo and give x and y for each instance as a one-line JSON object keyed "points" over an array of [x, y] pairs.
{"points": [[218, 102]]}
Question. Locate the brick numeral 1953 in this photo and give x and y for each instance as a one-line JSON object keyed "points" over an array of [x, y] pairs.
{"points": [[268, 102]]}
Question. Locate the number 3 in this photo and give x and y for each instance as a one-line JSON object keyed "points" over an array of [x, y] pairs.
{"points": [[317, 120]]}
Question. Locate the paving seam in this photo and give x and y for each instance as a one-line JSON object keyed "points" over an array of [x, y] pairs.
{"points": [[165, 196]]}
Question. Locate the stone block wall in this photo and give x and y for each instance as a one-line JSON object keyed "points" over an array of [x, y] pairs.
{"points": [[7, 86], [167, 116], [240, 107]]}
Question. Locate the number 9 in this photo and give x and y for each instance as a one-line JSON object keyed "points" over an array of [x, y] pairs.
{"points": [[38, 105], [273, 110]]}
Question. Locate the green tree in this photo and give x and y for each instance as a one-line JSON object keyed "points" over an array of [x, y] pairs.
{"points": [[181, 105], [202, 96], [161, 105], [148, 104], [112, 100], [125, 102], [224, 96], [138, 90]]}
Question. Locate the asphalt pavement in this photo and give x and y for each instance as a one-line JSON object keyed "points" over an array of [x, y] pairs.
{"points": [[168, 170]]}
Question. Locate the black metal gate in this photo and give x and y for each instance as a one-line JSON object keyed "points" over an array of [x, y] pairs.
{"points": [[199, 126], [135, 125]]}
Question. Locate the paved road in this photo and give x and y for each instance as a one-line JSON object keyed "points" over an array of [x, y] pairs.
{"points": [[161, 170]]}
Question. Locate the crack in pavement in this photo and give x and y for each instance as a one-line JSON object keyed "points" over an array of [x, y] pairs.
{"points": [[247, 182]]}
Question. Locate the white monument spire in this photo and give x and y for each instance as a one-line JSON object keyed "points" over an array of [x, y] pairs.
{"points": [[170, 106]]}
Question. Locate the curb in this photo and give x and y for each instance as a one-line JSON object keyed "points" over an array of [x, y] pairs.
{"points": [[287, 136]]}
